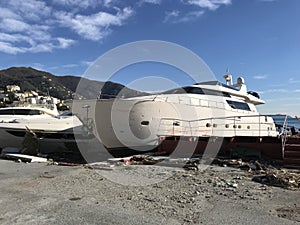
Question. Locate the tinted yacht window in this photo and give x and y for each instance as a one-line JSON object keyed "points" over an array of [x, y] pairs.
{"points": [[35, 112], [193, 90], [238, 105], [217, 93], [26, 112], [21, 111], [176, 91], [6, 112], [196, 90]]}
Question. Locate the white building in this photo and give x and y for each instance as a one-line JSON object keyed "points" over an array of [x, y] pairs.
{"points": [[13, 88]]}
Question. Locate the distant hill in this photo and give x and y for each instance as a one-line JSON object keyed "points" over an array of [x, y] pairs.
{"points": [[62, 87]]}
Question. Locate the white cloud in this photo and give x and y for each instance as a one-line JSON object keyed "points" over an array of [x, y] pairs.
{"points": [[30, 9], [14, 44], [171, 15], [176, 17], [156, 2], [260, 77], [27, 26], [65, 43], [32, 25], [78, 3], [93, 27], [86, 63], [12, 38], [209, 4], [191, 16], [84, 4], [9, 48], [108, 3], [273, 91], [7, 13], [70, 65], [13, 25], [293, 81]]}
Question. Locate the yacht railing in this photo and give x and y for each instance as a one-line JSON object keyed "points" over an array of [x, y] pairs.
{"points": [[284, 135], [217, 125], [50, 106]]}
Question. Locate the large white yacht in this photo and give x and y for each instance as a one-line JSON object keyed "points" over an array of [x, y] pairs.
{"points": [[208, 109]]}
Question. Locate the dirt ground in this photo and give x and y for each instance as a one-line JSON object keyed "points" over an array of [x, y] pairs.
{"points": [[38, 193]]}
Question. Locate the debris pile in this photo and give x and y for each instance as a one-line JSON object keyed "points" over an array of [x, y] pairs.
{"points": [[141, 160], [279, 178], [265, 173]]}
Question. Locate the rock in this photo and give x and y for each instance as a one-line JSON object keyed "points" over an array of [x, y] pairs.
{"points": [[252, 166], [235, 185]]}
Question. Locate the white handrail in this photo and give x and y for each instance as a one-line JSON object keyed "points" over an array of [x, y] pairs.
{"points": [[167, 124], [284, 135]]}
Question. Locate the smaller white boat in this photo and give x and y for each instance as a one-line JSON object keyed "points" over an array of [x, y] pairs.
{"points": [[28, 112], [53, 131]]}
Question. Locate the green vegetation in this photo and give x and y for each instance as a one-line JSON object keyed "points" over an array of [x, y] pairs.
{"points": [[62, 87]]}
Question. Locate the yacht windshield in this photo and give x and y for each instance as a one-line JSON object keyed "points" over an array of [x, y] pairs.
{"points": [[196, 90]]}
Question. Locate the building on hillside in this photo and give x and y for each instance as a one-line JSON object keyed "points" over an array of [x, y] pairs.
{"points": [[29, 94], [13, 88], [3, 97], [20, 96]]}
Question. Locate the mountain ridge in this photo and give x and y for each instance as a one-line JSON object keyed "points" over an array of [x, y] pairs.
{"points": [[62, 87]]}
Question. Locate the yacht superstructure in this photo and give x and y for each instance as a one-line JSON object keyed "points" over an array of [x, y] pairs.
{"points": [[27, 112]]}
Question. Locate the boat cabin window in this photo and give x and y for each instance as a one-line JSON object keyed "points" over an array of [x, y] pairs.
{"points": [[239, 105], [27, 112], [196, 90], [193, 90], [6, 112], [20, 112], [217, 93]]}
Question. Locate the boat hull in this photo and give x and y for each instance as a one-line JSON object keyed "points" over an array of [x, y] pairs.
{"points": [[268, 147], [51, 134], [140, 125], [46, 141]]}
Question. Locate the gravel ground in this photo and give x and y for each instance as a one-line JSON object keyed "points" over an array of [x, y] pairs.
{"points": [[37, 193]]}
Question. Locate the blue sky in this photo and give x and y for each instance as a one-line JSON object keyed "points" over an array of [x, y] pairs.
{"points": [[256, 39]]}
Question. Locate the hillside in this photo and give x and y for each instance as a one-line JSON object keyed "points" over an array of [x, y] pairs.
{"points": [[62, 87]]}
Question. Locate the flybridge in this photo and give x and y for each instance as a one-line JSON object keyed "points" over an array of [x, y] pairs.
{"points": [[239, 89]]}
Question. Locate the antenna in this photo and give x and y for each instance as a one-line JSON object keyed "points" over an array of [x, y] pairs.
{"points": [[228, 77]]}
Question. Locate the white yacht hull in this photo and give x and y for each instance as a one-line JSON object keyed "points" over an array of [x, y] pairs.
{"points": [[141, 124]]}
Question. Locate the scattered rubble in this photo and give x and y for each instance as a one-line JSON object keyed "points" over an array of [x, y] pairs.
{"points": [[188, 195], [264, 172], [279, 178]]}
